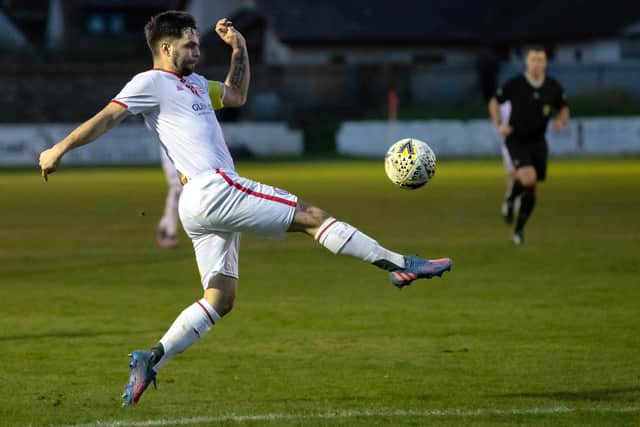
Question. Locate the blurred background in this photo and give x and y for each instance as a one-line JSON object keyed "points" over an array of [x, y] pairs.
{"points": [[329, 78]]}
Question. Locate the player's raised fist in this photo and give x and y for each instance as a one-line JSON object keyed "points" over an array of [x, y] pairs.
{"points": [[229, 34]]}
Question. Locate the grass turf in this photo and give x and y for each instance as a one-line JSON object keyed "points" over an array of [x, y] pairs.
{"points": [[545, 334]]}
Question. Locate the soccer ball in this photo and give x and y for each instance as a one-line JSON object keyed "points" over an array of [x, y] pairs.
{"points": [[410, 163]]}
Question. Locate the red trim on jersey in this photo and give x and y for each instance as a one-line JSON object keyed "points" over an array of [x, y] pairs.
{"points": [[206, 311], [325, 229], [167, 71], [120, 103], [255, 193]]}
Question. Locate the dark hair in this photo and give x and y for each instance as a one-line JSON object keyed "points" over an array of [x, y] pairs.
{"points": [[534, 48], [169, 24]]}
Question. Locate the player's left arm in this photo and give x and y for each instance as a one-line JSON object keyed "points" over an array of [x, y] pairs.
{"points": [[237, 81], [562, 117]]}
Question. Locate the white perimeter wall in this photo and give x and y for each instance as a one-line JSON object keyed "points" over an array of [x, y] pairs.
{"points": [[591, 136], [134, 144]]}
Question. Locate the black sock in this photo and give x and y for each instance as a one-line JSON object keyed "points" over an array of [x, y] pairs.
{"points": [[158, 351], [386, 265], [516, 190], [527, 203]]}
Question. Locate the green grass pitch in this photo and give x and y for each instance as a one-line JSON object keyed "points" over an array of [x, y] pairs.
{"points": [[545, 334]]}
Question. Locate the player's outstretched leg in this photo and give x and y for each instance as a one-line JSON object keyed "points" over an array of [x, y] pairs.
{"points": [[343, 239]]}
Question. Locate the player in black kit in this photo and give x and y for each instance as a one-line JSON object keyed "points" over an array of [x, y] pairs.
{"points": [[535, 98]]}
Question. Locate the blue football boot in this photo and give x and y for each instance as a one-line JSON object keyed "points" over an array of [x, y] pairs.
{"points": [[142, 374], [418, 268]]}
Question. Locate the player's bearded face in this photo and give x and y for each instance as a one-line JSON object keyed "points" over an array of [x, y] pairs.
{"points": [[186, 52]]}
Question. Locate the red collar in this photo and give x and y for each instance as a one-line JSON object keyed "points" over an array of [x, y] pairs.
{"points": [[170, 72]]}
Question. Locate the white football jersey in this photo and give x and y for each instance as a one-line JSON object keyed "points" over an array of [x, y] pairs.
{"points": [[178, 110]]}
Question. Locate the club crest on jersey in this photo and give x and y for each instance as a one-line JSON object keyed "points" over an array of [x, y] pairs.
{"points": [[194, 89]]}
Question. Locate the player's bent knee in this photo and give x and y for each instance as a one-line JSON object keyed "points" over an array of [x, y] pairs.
{"points": [[221, 302], [221, 293], [527, 176], [307, 217], [224, 305]]}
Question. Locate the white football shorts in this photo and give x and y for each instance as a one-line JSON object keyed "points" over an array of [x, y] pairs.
{"points": [[216, 206]]}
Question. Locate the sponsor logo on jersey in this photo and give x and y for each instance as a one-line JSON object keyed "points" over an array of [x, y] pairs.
{"points": [[546, 109], [202, 108]]}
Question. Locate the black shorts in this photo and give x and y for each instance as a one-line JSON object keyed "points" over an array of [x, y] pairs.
{"points": [[529, 154]]}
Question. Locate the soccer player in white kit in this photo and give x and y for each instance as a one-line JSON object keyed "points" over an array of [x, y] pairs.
{"points": [[509, 170], [217, 204], [167, 229]]}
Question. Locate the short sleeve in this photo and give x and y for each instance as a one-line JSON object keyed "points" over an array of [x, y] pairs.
{"points": [[504, 92], [139, 95], [216, 93]]}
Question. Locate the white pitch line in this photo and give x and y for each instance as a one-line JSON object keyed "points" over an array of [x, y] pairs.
{"points": [[463, 413]]}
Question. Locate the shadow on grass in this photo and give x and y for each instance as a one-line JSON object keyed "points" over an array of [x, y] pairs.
{"points": [[70, 334], [600, 395]]}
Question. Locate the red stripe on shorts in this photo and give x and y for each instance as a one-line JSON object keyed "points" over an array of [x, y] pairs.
{"points": [[255, 193]]}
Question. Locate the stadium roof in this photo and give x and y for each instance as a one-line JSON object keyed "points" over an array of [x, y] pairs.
{"points": [[446, 22]]}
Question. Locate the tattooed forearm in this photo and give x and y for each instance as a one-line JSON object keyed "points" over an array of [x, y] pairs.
{"points": [[238, 77], [238, 70]]}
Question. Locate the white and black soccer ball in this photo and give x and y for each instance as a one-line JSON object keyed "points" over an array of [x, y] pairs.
{"points": [[410, 163]]}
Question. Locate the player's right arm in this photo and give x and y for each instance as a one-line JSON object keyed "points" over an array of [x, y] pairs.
{"points": [[88, 131], [502, 95]]}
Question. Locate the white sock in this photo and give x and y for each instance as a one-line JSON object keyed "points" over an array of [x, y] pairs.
{"points": [[344, 239], [191, 325]]}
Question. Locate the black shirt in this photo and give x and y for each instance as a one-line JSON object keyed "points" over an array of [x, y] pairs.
{"points": [[531, 107]]}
